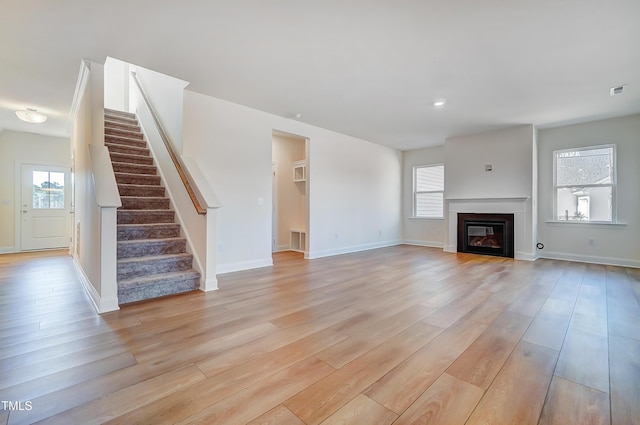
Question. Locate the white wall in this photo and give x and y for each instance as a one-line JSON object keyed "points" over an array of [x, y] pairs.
{"points": [[17, 148], [509, 152], [420, 231], [292, 196], [166, 96], [354, 193], [116, 84], [612, 244]]}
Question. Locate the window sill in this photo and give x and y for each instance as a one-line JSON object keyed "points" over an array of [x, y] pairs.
{"points": [[603, 224], [426, 218]]}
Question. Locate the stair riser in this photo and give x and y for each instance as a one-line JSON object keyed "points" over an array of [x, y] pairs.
{"points": [[131, 159], [141, 179], [145, 217], [144, 203], [120, 167], [125, 133], [148, 232], [145, 267], [152, 191], [120, 140], [159, 290], [142, 248], [115, 148]]}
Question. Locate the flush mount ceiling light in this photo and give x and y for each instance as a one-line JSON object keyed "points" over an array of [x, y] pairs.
{"points": [[31, 116], [439, 103]]}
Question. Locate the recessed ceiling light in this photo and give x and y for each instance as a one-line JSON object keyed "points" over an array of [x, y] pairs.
{"points": [[439, 103], [297, 116], [31, 116]]}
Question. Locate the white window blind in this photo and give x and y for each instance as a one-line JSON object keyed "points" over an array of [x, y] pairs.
{"points": [[428, 200]]}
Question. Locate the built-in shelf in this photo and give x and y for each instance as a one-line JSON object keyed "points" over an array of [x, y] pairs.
{"points": [[299, 171], [298, 240]]}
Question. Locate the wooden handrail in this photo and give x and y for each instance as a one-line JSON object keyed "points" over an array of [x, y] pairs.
{"points": [[177, 161]]}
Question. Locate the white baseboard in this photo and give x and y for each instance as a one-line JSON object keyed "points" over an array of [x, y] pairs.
{"points": [[8, 249], [351, 249], [525, 256], [102, 305], [429, 244], [210, 284], [609, 261], [243, 265]]}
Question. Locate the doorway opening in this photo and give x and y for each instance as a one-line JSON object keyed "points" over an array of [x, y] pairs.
{"points": [[290, 211]]}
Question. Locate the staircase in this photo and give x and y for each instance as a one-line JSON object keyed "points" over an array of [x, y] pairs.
{"points": [[152, 257]]}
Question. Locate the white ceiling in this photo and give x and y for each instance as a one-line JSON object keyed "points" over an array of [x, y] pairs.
{"points": [[370, 69]]}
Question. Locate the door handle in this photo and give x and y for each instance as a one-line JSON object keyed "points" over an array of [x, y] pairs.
{"points": [[25, 211]]}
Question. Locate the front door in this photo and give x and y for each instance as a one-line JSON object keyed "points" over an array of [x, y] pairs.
{"points": [[45, 207]]}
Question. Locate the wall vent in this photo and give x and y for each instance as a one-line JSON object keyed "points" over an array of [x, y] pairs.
{"points": [[614, 91]]}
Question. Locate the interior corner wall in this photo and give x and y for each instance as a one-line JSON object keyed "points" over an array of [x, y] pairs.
{"points": [[166, 96], [116, 84], [17, 148], [354, 185], [420, 231], [612, 244]]}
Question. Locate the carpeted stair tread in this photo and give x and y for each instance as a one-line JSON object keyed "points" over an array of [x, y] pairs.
{"points": [[125, 141], [149, 247], [130, 158], [109, 111], [154, 286], [126, 133], [145, 216], [144, 203], [140, 190], [129, 268], [141, 179], [124, 125], [125, 167], [135, 150], [153, 278], [146, 231]]}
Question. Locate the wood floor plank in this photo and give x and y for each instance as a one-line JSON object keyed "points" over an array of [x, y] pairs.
{"points": [[625, 380], [279, 415], [572, 403], [361, 410], [449, 401], [254, 401], [322, 399], [188, 402], [448, 315], [517, 394], [591, 370], [480, 363], [120, 402], [405, 383], [550, 324], [345, 351]]}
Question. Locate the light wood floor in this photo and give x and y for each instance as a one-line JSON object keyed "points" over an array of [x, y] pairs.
{"points": [[401, 335]]}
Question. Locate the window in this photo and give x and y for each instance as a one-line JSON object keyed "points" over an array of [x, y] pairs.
{"points": [[48, 190], [585, 183], [428, 191]]}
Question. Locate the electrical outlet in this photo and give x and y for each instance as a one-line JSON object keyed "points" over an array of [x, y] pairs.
{"points": [[220, 247]]}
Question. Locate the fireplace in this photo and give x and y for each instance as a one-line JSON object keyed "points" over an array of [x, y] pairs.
{"points": [[489, 234]]}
